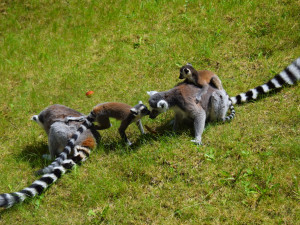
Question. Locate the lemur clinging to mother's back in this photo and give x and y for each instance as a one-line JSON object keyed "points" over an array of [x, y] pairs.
{"points": [[201, 78], [53, 121]]}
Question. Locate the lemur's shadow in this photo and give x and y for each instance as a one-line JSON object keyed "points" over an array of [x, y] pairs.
{"points": [[33, 155]]}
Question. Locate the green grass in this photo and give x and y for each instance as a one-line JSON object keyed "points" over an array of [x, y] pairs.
{"points": [[246, 173]]}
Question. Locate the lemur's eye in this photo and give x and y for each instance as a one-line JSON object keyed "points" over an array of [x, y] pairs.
{"points": [[186, 70]]}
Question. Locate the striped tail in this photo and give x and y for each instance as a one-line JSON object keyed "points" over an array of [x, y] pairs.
{"points": [[39, 186], [70, 145], [232, 112], [290, 75]]}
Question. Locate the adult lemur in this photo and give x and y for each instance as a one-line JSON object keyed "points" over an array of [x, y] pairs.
{"points": [[214, 103], [52, 120]]}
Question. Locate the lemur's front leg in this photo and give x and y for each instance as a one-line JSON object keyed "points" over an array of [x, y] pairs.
{"points": [[140, 126]]}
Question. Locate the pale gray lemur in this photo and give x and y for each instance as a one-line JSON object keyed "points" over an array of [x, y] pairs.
{"points": [[52, 120], [59, 130], [213, 106]]}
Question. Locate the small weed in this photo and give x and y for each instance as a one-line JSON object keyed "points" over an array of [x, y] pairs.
{"points": [[98, 217]]}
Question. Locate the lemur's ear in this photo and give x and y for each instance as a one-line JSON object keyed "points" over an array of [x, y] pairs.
{"points": [[150, 93], [189, 64], [133, 111], [140, 102], [163, 105]]}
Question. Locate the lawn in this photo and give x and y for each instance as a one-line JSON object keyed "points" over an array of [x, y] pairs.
{"points": [[247, 171]]}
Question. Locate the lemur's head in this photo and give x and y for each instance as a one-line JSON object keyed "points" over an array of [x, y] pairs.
{"points": [[139, 110], [38, 119], [187, 71], [157, 104]]}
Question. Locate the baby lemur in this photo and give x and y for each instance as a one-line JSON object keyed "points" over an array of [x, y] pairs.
{"points": [[201, 78], [120, 111]]}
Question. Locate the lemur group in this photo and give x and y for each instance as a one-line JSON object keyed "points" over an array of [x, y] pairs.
{"points": [[200, 98]]}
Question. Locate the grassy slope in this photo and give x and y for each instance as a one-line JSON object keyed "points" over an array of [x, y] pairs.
{"points": [[248, 170]]}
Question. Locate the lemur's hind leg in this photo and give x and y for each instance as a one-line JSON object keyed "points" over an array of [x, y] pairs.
{"points": [[216, 82], [59, 134], [199, 124], [103, 123], [122, 129], [218, 105]]}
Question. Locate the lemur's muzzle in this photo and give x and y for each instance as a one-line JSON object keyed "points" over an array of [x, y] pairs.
{"points": [[153, 114]]}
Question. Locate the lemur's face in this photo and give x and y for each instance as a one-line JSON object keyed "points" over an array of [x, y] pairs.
{"points": [[140, 110], [158, 104], [186, 71]]}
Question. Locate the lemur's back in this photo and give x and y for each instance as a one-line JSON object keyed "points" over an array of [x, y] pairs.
{"points": [[113, 109], [55, 113]]}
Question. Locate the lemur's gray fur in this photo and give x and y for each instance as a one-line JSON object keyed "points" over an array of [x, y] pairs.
{"points": [[101, 114], [52, 120], [213, 105]]}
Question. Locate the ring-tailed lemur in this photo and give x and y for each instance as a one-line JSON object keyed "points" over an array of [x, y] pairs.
{"points": [[52, 120], [203, 78], [59, 130], [290, 75], [101, 114], [213, 105]]}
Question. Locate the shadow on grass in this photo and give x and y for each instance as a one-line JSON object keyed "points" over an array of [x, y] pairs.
{"points": [[153, 134], [33, 155]]}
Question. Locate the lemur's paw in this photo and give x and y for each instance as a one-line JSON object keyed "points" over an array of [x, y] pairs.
{"points": [[196, 142]]}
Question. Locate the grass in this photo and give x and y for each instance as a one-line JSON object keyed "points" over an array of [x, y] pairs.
{"points": [[246, 173]]}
